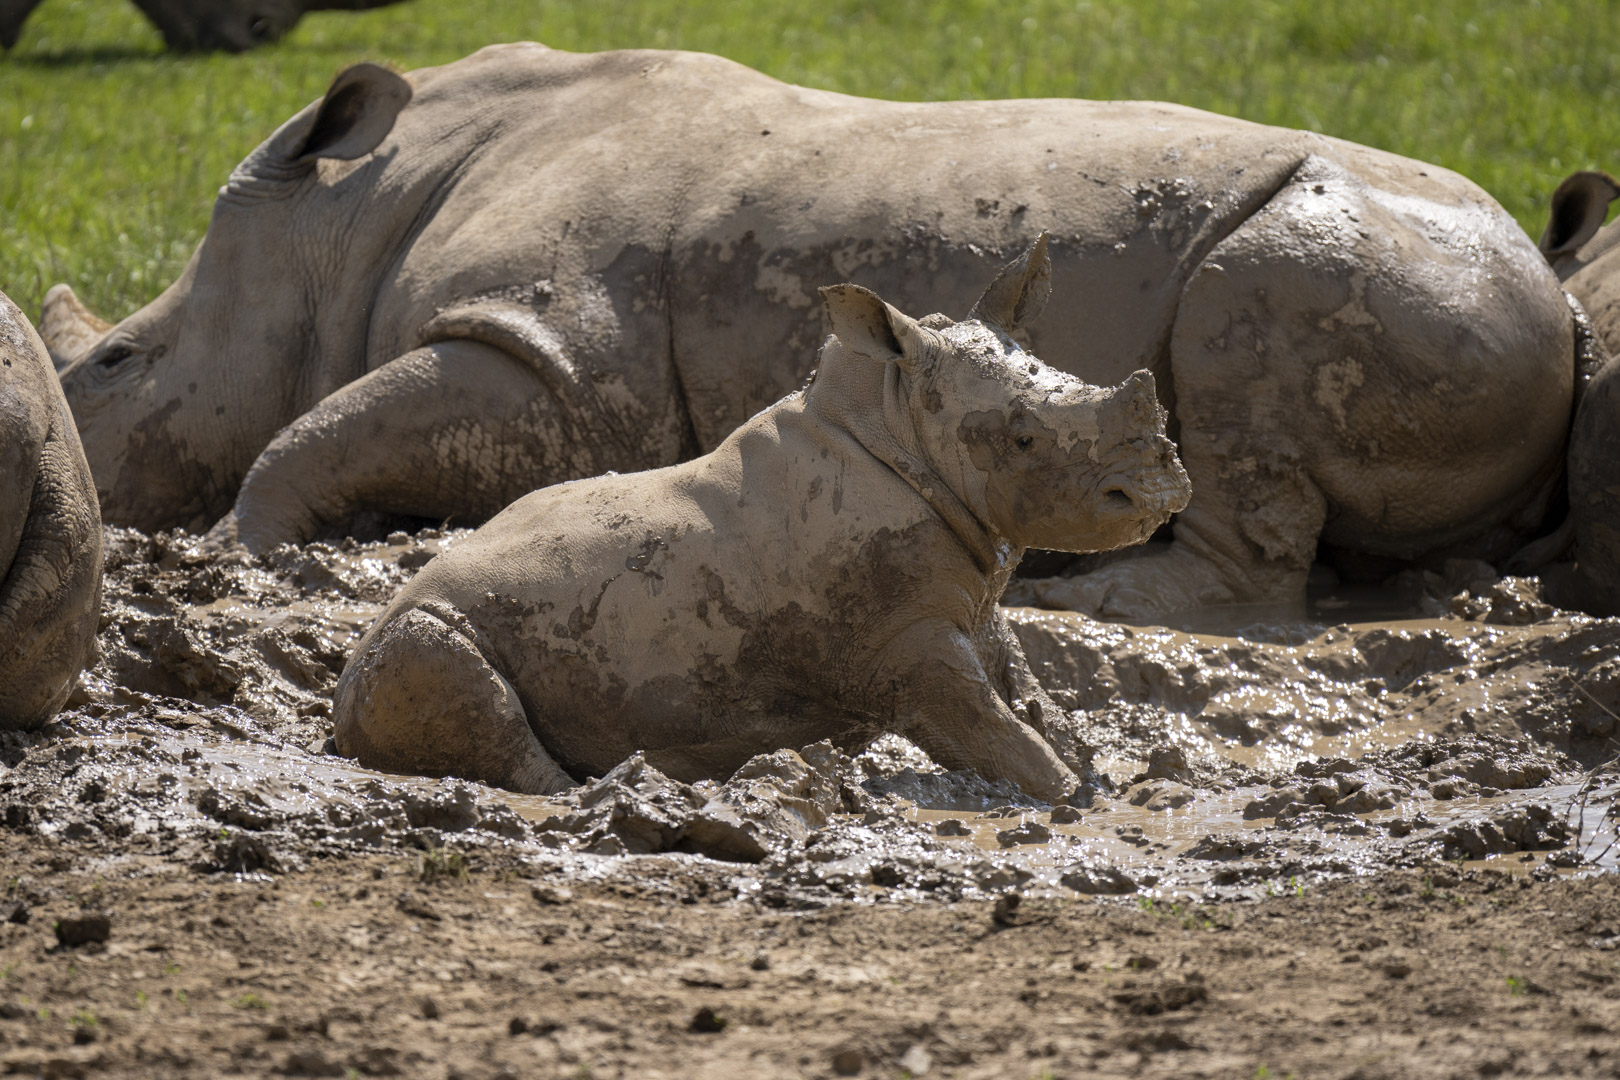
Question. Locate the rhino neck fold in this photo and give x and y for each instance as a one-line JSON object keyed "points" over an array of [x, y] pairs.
{"points": [[893, 441]]}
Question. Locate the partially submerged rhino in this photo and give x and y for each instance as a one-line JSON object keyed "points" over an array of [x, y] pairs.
{"points": [[50, 535], [191, 25], [429, 295], [1585, 254], [831, 570]]}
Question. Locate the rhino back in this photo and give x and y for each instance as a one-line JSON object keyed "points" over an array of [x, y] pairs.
{"points": [[683, 610], [658, 205]]}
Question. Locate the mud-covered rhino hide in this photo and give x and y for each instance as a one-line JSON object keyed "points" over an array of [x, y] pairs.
{"points": [[830, 571], [205, 25], [1585, 254], [428, 295], [50, 535]]}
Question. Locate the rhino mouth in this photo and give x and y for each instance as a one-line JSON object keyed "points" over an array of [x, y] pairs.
{"points": [[1150, 497]]}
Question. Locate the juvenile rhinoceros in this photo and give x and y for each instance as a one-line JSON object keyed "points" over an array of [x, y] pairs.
{"points": [[189, 25], [50, 535], [831, 570], [429, 295]]}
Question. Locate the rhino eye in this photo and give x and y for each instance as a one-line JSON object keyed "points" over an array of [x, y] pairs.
{"points": [[1024, 442], [114, 356]]}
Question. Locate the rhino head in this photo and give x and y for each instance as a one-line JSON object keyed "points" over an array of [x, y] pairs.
{"points": [[175, 402], [1036, 456], [192, 25]]}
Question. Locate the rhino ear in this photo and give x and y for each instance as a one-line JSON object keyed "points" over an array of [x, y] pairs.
{"points": [[1019, 292], [865, 325], [356, 115], [1578, 208]]}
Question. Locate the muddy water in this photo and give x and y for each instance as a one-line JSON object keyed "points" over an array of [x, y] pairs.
{"points": [[1246, 750]]}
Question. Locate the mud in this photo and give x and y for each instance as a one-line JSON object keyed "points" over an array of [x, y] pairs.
{"points": [[1282, 749], [1281, 761]]}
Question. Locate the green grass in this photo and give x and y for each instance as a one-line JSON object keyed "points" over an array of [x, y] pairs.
{"points": [[110, 151]]}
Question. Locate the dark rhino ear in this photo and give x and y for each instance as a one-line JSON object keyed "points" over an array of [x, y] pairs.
{"points": [[356, 115], [869, 327], [1019, 292], [1578, 208]]}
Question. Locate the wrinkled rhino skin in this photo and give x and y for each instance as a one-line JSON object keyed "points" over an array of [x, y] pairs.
{"points": [[50, 535], [555, 264], [204, 25], [1585, 254], [830, 571]]}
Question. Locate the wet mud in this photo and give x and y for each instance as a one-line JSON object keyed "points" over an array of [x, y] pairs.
{"points": [[1480, 729], [1329, 841]]}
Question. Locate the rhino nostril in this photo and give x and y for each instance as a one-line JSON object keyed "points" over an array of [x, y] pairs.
{"points": [[1117, 498]]}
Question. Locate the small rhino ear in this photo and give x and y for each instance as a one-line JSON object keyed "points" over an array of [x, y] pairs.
{"points": [[356, 115], [1019, 292], [1578, 208], [865, 325]]}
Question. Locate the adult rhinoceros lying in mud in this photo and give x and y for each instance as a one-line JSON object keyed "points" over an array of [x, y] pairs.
{"points": [[831, 570], [548, 264], [188, 25], [50, 535]]}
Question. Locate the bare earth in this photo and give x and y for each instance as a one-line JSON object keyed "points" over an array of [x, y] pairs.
{"points": [[1367, 849]]}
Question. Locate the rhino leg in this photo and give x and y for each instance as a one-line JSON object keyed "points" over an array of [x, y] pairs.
{"points": [[457, 429], [50, 598], [951, 709], [419, 698]]}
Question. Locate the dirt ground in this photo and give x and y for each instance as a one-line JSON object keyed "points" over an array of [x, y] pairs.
{"points": [[1332, 842], [384, 966]]}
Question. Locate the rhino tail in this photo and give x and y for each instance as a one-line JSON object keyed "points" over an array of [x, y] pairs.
{"points": [[419, 697]]}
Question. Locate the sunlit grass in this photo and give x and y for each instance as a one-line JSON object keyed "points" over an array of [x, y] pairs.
{"points": [[111, 151]]}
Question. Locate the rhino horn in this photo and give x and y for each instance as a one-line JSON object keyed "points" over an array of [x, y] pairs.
{"points": [[1578, 208], [867, 326], [1019, 292], [68, 328]]}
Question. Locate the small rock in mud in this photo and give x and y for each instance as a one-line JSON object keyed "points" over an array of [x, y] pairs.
{"points": [[17, 911], [706, 1022], [1156, 795], [1030, 832], [952, 827], [1063, 814], [416, 907], [1005, 911], [848, 1062], [551, 894], [1098, 881], [429, 1008], [83, 929]]}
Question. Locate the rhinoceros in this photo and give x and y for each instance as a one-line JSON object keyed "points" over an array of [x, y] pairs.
{"points": [[1585, 254], [50, 535], [829, 571], [427, 295], [209, 25]]}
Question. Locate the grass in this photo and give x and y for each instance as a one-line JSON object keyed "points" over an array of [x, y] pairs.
{"points": [[112, 150]]}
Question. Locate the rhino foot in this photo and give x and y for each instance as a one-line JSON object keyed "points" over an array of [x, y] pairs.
{"points": [[422, 699], [1144, 589]]}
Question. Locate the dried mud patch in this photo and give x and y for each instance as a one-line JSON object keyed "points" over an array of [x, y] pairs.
{"points": [[1319, 848]]}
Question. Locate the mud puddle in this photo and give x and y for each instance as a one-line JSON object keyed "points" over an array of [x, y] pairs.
{"points": [[1246, 751]]}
